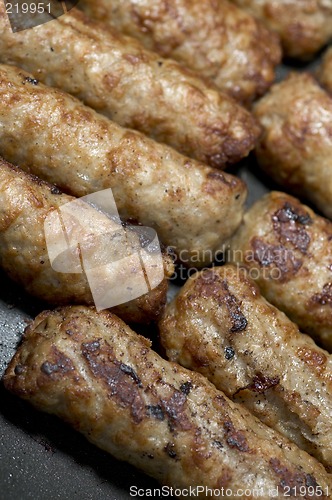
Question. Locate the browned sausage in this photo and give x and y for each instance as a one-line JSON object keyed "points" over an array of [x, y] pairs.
{"points": [[118, 77], [220, 325], [304, 26], [214, 38], [93, 371], [193, 207], [25, 203], [288, 252], [296, 145]]}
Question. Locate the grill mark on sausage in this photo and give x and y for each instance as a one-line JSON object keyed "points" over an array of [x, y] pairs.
{"points": [[292, 479], [209, 284], [174, 408], [261, 383], [289, 224], [155, 411], [58, 364], [276, 255], [121, 380], [234, 438]]}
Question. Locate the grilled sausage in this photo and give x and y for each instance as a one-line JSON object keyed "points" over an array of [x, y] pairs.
{"points": [[193, 207], [304, 26], [220, 325], [324, 71], [93, 371], [118, 77], [216, 39], [287, 249], [296, 145], [25, 203]]}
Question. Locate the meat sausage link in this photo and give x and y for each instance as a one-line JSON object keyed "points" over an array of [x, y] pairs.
{"points": [[94, 372], [118, 77], [25, 204], [324, 71], [287, 250], [220, 325], [216, 39], [304, 27], [296, 145], [193, 207]]}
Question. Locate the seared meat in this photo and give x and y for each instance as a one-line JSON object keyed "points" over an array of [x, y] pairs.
{"points": [[220, 325], [193, 207], [94, 372], [25, 203], [118, 77], [287, 250], [216, 39], [296, 145], [304, 26]]}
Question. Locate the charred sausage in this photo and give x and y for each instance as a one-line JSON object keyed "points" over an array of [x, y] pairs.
{"points": [[93, 371], [220, 325], [287, 249]]}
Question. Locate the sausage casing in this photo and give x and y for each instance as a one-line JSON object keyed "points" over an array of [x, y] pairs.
{"points": [[93, 371], [287, 250], [193, 207], [304, 26], [118, 77], [296, 145], [216, 39], [25, 203], [220, 325]]}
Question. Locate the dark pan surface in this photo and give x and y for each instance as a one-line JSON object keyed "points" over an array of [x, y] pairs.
{"points": [[41, 457]]}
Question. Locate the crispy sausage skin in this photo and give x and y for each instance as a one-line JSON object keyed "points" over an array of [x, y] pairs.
{"points": [[324, 71], [193, 207], [216, 39], [94, 372], [220, 325], [25, 202], [296, 145], [118, 77], [287, 250], [304, 26]]}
